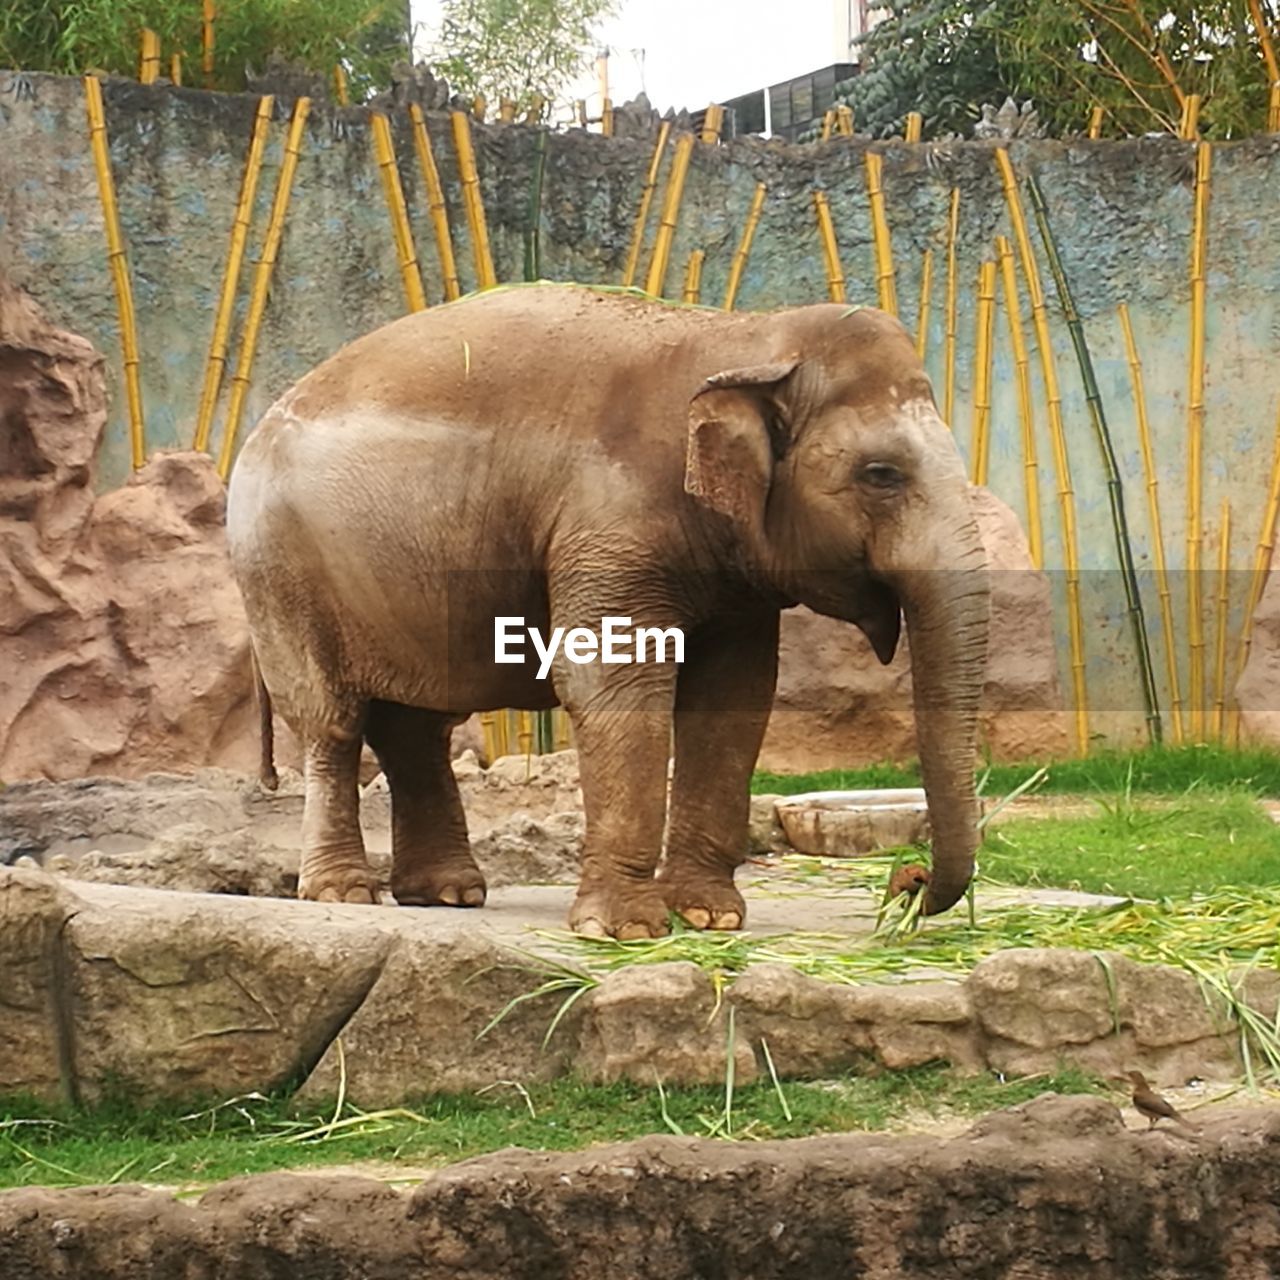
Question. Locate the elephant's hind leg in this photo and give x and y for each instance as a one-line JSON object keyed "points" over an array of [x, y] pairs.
{"points": [[334, 866], [723, 697], [431, 862]]}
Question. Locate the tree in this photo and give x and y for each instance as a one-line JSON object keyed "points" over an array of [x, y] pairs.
{"points": [[524, 50], [937, 57], [71, 36], [1139, 60]]}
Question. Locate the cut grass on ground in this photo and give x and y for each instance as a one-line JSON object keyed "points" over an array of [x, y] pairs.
{"points": [[135, 1142], [1151, 770]]}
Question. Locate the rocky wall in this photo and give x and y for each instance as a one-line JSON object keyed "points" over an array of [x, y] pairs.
{"points": [[1055, 1189], [1121, 211]]}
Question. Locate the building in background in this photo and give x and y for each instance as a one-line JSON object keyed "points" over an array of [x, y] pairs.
{"points": [[795, 107]]}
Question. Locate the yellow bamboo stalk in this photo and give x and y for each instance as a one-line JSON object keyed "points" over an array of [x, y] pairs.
{"points": [[1026, 403], [646, 199], [844, 120], [1195, 438], [524, 732], [489, 728], [830, 250], [926, 296], [580, 112], [693, 277], [1261, 568], [1057, 432], [606, 117], [261, 281], [119, 266], [340, 90], [739, 263], [507, 110], [479, 106], [175, 69], [216, 364], [1264, 40], [1273, 109], [982, 358], [828, 123], [1189, 126], [915, 126], [435, 203], [1153, 509], [712, 123], [384, 150], [657, 277], [561, 726], [1220, 648], [486, 278], [886, 288], [949, 340], [149, 57], [209, 16]]}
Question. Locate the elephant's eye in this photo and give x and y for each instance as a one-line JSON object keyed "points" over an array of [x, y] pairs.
{"points": [[881, 475]]}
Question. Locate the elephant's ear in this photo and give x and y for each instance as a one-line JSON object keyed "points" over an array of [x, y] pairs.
{"points": [[736, 430]]}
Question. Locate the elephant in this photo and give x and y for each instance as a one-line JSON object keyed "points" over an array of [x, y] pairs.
{"points": [[566, 455]]}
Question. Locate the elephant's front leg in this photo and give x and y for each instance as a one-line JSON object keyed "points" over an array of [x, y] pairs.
{"points": [[622, 723], [723, 698]]}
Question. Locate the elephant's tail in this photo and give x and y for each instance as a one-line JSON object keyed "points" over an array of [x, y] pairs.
{"points": [[267, 774]]}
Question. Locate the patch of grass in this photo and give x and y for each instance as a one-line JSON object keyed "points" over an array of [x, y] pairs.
{"points": [[1194, 846], [1151, 771], [126, 1141]]}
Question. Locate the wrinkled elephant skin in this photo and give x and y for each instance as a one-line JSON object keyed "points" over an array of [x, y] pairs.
{"points": [[563, 456]]}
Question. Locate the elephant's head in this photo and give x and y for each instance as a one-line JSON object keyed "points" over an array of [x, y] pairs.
{"points": [[849, 495]]}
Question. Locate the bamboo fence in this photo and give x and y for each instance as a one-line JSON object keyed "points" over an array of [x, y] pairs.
{"points": [[646, 200], [208, 17], [486, 277], [1026, 403], [1220, 628], [406, 254], [1157, 533], [830, 250], [119, 265], [216, 365], [1057, 432], [914, 127], [692, 290], [435, 204], [739, 264], [261, 282], [980, 450], [657, 278], [922, 312], [949, 338], [886, 289]]}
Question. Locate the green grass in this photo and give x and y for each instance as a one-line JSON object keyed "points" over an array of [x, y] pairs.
{"points": [[1151, 771], [121, 1141], [1195, 845]]}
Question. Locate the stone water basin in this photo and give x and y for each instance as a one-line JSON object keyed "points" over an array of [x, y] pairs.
{"points": [[846, 824]]}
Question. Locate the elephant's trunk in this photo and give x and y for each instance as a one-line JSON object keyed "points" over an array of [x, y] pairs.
{"points": [[947, 611]]}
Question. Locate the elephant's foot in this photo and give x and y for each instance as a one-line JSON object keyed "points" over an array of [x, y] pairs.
{"points": [[702, 899], [338, 882], [457, 882], [625, 911]]}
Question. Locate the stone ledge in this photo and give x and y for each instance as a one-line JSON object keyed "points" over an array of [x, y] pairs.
{"points": [[186, 995], [1055, 1189]]}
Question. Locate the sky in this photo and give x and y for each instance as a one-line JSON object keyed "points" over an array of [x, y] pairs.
{"points": [[687, 53]]}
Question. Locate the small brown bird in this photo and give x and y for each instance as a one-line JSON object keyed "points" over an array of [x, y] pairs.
{"points": [[909, 880], [1149, 1103]]}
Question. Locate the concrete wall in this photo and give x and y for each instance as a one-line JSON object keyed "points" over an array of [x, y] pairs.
{"points": [[1122, 212]]}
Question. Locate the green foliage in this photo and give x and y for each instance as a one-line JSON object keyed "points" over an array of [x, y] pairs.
{"points": [[75, 36], [1134, 58], [937, 57], [1151, 770], [525, 50], [136, 1141]]}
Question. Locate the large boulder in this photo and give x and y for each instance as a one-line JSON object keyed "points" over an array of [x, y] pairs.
{"points": [[837, 705]]}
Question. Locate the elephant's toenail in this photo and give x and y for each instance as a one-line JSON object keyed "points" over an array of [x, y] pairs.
{"points": [[631, 932], [591, 929], [358, 893], [449, 896], [727, 920], [698, 917], [474, 897]]}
